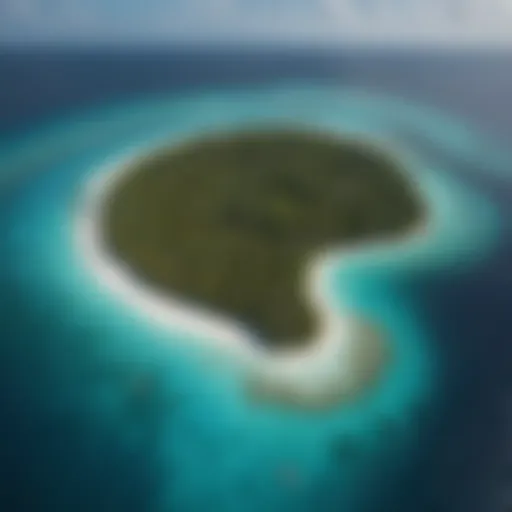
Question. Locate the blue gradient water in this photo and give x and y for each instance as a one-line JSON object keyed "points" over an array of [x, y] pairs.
{"points": [[192, 436]]}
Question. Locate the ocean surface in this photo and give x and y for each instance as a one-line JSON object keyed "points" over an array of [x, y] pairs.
{"points": [[101, 410]]}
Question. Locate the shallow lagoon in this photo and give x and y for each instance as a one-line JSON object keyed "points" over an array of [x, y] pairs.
{"points": [[210, 445]]}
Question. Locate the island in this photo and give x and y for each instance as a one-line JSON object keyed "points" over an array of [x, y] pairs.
{"points": [[228, 222]]}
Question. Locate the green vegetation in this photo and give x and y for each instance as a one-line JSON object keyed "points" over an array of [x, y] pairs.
{"points": [[229, 222]]}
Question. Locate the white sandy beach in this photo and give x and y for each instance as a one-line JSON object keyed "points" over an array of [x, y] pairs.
{"points": [[328, 367]]}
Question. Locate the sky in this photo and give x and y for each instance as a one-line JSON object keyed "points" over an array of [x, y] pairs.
{"points": [[367, 22]]}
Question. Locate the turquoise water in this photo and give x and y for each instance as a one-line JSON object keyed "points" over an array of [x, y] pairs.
{"points": [[215, 450]]}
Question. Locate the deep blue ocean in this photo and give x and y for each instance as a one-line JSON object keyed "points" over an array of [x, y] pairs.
{"points": [[76, 433]]}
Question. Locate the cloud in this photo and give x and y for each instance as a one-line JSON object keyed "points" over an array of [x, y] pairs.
{"points": [[338, 21]]}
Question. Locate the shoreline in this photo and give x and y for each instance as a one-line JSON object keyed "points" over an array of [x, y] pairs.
{"points": [[320, 374]]}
